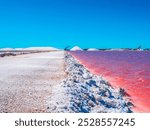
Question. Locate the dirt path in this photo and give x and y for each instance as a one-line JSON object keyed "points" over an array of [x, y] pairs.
{"points": [[26, 80]]}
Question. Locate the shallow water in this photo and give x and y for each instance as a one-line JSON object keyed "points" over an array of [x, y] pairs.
{"points": [[127, 69]]}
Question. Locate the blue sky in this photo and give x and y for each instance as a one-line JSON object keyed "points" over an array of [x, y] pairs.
{"points": [[86, 23]]}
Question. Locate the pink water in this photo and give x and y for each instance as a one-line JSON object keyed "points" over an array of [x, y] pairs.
{"points": [[127, 69]]}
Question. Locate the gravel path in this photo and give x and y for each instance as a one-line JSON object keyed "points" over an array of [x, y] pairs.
{"points": [[26, 81]]}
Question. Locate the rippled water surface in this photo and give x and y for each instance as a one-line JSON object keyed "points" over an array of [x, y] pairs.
{"points": [[128, 69]]}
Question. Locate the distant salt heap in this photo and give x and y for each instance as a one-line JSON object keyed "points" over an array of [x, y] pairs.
{"points": [[18, 49], [115, 49], [30, 49], [42, 48], [92, 49], [6, 49], [76, 48]]}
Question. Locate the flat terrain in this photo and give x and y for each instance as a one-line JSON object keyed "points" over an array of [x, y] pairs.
{"points": [[26, 81]]}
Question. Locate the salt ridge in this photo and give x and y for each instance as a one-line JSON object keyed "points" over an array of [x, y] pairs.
{"points": [[84, 92]]}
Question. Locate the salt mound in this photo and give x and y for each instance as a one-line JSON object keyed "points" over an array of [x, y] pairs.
{"points": [[41, 48], [76, 48], [19, 49], [92, 49], [6, 49], [115, 49]]}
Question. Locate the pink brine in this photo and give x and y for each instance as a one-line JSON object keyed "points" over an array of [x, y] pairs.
{"points": [[127, 69]]}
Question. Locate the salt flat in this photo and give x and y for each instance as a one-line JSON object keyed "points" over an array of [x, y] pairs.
{"points": [[27, 80]]}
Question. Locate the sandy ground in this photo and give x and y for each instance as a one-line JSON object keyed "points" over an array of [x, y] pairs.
{"points": [[26, 81]]}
